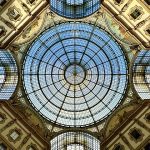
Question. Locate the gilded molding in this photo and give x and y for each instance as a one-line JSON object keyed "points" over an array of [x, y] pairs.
{"points": [[8, 125], [147, 120], [33, 146], [147, 28], [139, 131], [18, 138], [9, 24], [25, 7], [140, 9], [3, 116], [116, 3], [14, 14], [125, 140], [31, 2], [24, 141], [141, 124], [118, 144], [125, 7], [3, 31]]}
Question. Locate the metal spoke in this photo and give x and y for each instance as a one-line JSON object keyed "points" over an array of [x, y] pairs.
{"points": [[65, 75], [91, 34]]}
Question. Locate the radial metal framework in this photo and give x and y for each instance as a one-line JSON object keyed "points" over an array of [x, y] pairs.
{"points": [[74, 8], [75, 141], [8, 75], [141, 74], [75, 74]]}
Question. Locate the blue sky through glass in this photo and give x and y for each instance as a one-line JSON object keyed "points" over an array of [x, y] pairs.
{"points": [[75, 141], [75, 74], [74, 8], [8, 75], [141, 74]]}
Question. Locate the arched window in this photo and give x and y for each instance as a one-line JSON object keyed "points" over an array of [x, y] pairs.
{"points": [[75, 141], [141, 74], [8, 75], [74, 8]]}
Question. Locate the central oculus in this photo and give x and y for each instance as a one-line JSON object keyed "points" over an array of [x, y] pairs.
{"points": [[74, 74]]}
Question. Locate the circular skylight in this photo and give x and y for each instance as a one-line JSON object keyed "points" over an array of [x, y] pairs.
{"points": [[75, 74], [74, 8], [8, 75]]}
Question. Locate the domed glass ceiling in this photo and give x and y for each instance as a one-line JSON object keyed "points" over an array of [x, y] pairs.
{"points": [[75, 141], [75, 74], [8, 75], [74, 8], [141, 74]]}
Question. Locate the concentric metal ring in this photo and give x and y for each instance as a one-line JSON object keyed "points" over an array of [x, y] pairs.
{"points": [[75, 74], [75, 8]]}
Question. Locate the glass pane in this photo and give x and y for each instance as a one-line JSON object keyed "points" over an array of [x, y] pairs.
{"points": [[74, 8], [8, 75], [75, 147], [73, 81]]}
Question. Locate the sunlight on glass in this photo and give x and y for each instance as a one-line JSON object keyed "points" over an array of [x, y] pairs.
{"points": [[75, 147]]}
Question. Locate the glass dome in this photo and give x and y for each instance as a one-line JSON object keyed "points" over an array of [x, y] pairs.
{"points": [[74, 8], [75, 74], [141, 74], [8, 75], [75, 141]]}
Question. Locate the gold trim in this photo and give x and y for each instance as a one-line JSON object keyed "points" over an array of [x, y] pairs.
{"points": [[4, 31], [3, 116], [14, 130], [11, 12], [34, 146], [139, 131], [115, 146], [116, 3], [140, 9], [147, 28], [31, 4], [148, 121]]}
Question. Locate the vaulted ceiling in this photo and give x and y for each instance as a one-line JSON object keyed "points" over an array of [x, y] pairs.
{"points": [[120, 29]]}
